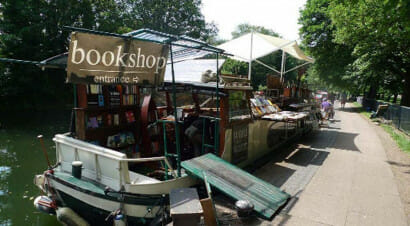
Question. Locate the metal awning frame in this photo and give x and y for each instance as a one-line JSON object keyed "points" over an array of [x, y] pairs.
{"points": [[282, 71]]}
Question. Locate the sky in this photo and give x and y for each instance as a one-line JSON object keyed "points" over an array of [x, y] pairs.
{"points": [[279, 15]]}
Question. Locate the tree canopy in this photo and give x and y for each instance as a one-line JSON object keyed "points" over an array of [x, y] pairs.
{"points": [[32, 30], [360, 45]]}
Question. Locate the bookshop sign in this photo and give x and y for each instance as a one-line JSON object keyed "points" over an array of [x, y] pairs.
{"points": [[102, 59]]}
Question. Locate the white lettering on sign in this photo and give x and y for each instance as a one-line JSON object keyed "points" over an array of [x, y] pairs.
{"points": [[107, 58], [115, 79]]}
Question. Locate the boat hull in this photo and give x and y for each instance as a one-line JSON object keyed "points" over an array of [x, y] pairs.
{"points": [[95, 207]]}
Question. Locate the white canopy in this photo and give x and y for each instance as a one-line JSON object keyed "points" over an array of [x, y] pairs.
{"points": [[254, 45]]}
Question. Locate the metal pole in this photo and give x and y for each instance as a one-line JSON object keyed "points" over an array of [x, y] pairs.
{"points": [[40, 137], [267, 66], [217, 106], [282, 67], [73, 111], [164, 131], [250, 58], [296, 67], [174, 99]]}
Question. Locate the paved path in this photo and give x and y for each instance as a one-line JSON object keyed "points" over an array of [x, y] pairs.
{"points": [[349, 181]]}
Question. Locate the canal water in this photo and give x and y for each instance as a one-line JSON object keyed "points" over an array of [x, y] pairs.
{"points": [[21, 158]]}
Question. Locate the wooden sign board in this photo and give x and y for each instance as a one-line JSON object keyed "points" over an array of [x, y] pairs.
{"points": [[99, 59], [239, 143]]}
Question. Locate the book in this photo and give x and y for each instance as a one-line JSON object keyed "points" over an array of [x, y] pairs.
{"points": [[109, 120], [92, 122], [95, 89], [92, 100], [100, 100], [129, 115], [100, 120], [120, 140], [114, 96], [116, 120]]}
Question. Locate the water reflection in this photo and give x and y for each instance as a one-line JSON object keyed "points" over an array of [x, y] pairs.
{"points": [[21, 158]]}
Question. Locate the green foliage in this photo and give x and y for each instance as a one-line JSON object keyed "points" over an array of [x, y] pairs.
{"points": [[379, 36], [32, 30], [235, 67], [175, 17], [331, 59], [245, 28], [360, 44], [262, 88]]}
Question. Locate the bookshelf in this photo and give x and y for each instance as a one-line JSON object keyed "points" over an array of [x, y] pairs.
{"points": [[108, 115]]}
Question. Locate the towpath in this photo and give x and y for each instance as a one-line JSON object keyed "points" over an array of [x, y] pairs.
{"points": [[351, 173]]}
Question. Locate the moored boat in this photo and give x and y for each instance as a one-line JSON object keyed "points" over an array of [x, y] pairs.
{"points": [[123, 158]]}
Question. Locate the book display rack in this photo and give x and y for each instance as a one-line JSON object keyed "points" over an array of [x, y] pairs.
{"points": [[107, 115]]}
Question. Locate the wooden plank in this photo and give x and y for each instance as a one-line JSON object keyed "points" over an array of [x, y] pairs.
{"points": [[209, 213], [237, 183], [80, 124]]}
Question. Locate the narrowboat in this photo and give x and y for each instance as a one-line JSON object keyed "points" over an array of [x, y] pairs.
{"points": [[136, 120]]}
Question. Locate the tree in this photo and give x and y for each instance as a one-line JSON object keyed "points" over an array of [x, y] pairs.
{"points": [[360, 44], [175, 17], [245, 28], [32, 30], [379, 36], [331, 59]]}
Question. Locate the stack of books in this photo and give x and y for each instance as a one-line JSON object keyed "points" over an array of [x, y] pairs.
{"points": [[95, 95], [129, 96], [113, 120], [95, 121], [114, 97], [261, 106]]}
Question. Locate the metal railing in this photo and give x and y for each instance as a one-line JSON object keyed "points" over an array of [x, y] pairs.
{"points": [[177, 156], [215, 145], [398, 115]]}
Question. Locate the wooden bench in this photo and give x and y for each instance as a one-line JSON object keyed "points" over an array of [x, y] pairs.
{"points": [[381, 109], [185, 206]]}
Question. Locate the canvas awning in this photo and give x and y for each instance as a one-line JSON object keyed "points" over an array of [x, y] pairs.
{"points": [[252, 46], [261, 45]]}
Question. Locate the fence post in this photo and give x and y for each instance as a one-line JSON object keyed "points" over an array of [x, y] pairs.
{"points": [[398, 124]]}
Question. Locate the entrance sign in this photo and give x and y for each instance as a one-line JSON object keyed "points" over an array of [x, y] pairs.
{"points": [[102, 59]]}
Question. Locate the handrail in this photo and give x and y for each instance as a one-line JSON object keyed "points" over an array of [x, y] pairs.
{"points": [[166, 154], [116, 158], [215, 146], [150, 159], [153, 159]]}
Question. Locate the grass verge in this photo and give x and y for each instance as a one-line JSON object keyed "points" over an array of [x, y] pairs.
{"points": [[401, 139], [360, 110]]}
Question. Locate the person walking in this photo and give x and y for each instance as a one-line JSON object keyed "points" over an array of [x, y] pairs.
{"points": [[325, 106], [343, 99]]}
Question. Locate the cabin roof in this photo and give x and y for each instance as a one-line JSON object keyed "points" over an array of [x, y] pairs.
{"points": [[183, 47]]}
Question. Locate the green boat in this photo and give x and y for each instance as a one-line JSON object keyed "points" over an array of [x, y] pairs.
{"points": [[122, 158]]}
